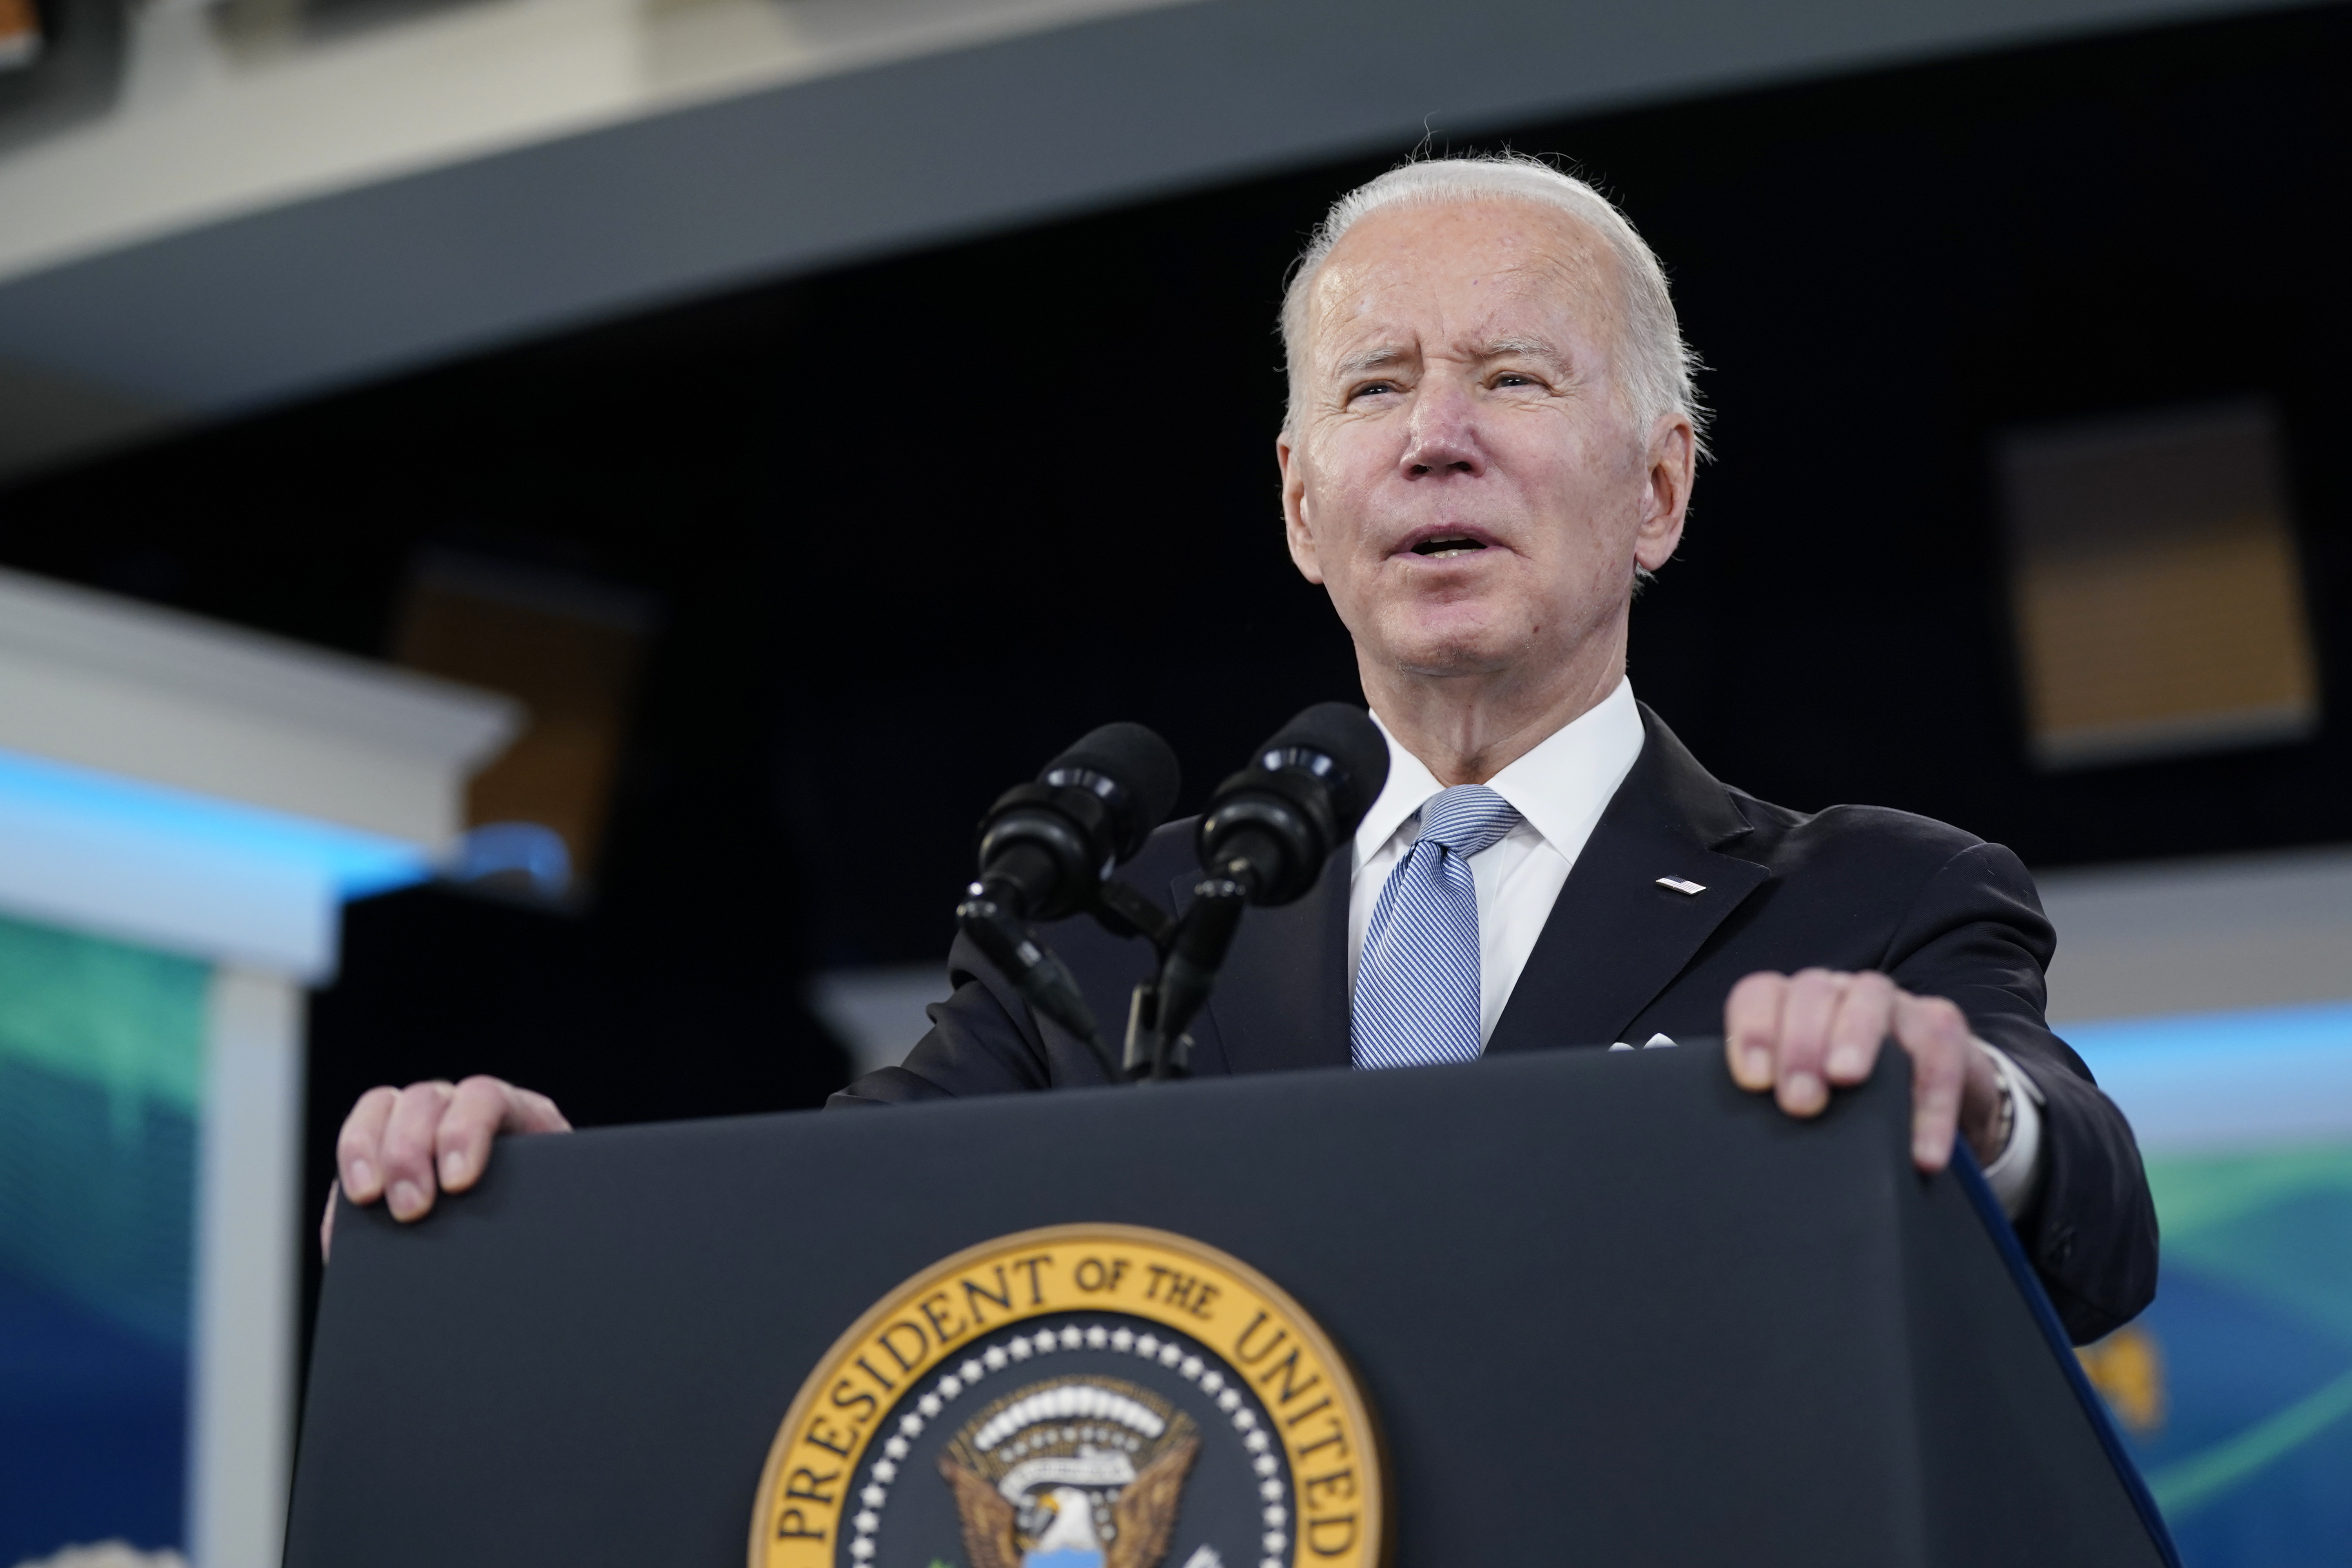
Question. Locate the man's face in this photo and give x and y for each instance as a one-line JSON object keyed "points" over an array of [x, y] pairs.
{"points": [[1465, 475]]}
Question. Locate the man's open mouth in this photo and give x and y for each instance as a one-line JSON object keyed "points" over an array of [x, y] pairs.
{"points": [[1447, 545]]}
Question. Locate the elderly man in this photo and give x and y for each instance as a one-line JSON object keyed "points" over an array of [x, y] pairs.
{"points": [[1491, 440]]}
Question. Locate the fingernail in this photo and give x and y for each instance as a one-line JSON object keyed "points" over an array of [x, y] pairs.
{"points": [[1757, 1062], [405, 1199], [453, 1168], [362, 1177], [1803, 1091], [1845, 1062]]}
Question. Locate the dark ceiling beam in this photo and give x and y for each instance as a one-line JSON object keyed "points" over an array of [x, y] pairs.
{"points": [[358, 284]]}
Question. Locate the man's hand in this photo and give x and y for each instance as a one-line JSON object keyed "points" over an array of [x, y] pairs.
{"points": [[1797, 1035], [404, 1144]]}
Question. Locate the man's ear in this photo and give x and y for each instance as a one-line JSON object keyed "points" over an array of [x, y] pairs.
{"points": [[1297, 530], [1673, 466]]}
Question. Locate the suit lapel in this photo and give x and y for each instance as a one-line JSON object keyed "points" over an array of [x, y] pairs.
{"points": [[1616, 938], [1281, 1000]]}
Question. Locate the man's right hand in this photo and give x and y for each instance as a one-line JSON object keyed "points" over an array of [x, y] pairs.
{"points": [[403, 1146]]}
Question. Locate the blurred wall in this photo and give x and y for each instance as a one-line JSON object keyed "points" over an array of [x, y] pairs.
{"points": [[290, 195], [914, 523], [910, 523]]}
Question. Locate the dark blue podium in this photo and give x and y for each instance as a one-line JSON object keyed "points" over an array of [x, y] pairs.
{"points": [[1606, 1309]]}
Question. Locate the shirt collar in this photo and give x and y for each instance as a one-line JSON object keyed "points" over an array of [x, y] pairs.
{"points": [[1561, 787]]}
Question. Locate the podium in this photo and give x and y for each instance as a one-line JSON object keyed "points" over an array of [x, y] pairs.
{"points": [[1602, 1308]]}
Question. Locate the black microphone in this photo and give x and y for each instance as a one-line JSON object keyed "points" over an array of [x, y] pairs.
{"points": [[1263, 840], [1271, 826], [1046, 849]]}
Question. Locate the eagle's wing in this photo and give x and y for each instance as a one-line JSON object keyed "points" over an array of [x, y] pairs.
{"points": [[987, 1518], [1145, 1514]]}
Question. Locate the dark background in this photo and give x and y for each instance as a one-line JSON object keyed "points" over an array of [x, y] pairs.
{"points": [[916, 523]]}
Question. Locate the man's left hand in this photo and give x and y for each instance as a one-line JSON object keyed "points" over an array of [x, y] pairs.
{"points": [[1798, 1035]]}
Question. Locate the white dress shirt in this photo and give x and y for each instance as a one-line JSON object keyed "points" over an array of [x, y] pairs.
{"points": [[1559, 789]]}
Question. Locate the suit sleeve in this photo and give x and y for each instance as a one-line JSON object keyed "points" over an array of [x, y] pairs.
{"points": [[1977, 935], [983, 1039]]}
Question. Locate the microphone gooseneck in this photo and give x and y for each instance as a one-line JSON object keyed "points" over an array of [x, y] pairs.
{"points": [[1265, 839], [1045, 850]]}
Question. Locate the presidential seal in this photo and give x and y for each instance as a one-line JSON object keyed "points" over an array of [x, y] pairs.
{"points": [[1079, 1396]]}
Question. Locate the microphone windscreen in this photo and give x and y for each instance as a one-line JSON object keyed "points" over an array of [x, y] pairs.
{"points": [[1347, 735], [1142, 766]]}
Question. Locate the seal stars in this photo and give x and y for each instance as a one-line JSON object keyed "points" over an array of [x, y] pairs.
{"points": [[1069, 1397], [1076, 1442]]}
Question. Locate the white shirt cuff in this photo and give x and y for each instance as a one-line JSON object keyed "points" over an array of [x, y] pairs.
{"points": [[2016, 1174]]}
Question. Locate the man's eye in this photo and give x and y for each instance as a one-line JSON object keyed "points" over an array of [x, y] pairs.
{"points": [[1369, 387], [1513, 378]]}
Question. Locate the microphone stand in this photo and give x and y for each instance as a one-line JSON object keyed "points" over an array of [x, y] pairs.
{"points": [[1192, 950], [1043, 978], [1151, 1054], [988, 916]]}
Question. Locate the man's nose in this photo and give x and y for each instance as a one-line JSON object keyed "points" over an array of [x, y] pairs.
{"points": [[1444, 436]]}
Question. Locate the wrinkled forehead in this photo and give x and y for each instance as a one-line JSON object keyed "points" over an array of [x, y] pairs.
{"points": [[1482, 267]]}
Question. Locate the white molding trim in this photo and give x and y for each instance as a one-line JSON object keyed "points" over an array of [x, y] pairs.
{"points": [[211, 791], [149, 693], [241, 1404]]}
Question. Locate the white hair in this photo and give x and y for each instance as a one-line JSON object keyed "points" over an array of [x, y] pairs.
{"points": [[1656, 367]]}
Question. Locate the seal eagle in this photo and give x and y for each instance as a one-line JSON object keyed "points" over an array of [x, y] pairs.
{"points": [[1141, 1520]]}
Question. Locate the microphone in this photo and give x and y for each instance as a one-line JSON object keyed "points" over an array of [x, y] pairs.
{"points": [[1263, 840], [1270, 828], [1046, 849]]}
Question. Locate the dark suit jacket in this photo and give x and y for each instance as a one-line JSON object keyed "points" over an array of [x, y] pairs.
{"points": [[1621, 958]]}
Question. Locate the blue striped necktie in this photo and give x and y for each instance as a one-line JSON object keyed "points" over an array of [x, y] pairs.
{"points": [[1417, 978]]}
